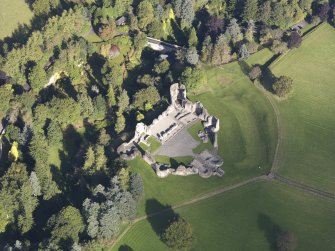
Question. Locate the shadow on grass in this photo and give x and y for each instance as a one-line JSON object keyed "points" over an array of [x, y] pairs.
{"points": [[125, 248], [159, 222], [270, 228], [267, 79]]}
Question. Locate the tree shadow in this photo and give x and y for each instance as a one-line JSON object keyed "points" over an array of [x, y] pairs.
{"points": [[267, 79], [159, 222], [270, 228], [245, 68], [125, 248]]}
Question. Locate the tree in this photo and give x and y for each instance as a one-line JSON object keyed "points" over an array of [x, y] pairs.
{"points": [[145, 14], [214, 26], [206, 50], [100, 157], [89, 158], [294, 40], [147, 79], [305, 5], [250, 31], [155, 29], [231, 8], [123, 175], [323, 12], [286, 242], [123, 101], [192, 38], [120, 123], [37, 78], [104, 138], [148, 95], [221, 53], [192, 78], [278, 47], [136, 186], [264, 12], [35, 184], [187, 11], [192, 56], [91, 213], [17, 200], [179, 235], [177, 7], [54, 133], [65, 227], [243, 53], [255, 73], [107, 28], [160, 68], [250, 9], [234, 31], [13, 154], [282, 86]]}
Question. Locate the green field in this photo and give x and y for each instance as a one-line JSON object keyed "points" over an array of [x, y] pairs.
{"points": [[308, 115], [248, 218], [13, 13], [247, 138]]}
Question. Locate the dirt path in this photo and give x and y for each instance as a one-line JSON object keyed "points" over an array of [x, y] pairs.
{"points": [[280, 136]]}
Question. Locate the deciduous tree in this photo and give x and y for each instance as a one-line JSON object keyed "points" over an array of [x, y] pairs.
{"points": [[179, 235]]}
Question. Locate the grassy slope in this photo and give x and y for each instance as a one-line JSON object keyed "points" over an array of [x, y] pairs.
{"points": [[13, 13], [247, 219], [308, 116], [247, 139]]}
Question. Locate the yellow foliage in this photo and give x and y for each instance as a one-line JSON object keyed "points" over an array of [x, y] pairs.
{"points": [[13, 154], [171, 14], [164, 26]]}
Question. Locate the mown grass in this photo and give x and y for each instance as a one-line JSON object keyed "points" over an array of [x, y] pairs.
{"points": [[13, 13], [154, 144], [248, 218], [308, 115]]}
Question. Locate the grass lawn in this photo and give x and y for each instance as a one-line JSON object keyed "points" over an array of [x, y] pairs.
{"points": [[13, 13], [154, 144], [247, 139], [308, 115], [248, 218]]}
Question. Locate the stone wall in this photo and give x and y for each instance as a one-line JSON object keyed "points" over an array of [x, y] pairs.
{"points": [[205, 164]]}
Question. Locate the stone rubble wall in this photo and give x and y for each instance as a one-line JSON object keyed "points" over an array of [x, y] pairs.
{"points": [[204, 166]]}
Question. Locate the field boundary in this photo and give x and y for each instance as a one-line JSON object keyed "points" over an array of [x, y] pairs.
{"points": [[304, 37]]}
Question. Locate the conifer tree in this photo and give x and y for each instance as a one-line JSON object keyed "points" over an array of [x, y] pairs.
{"points": [[250, 10]]}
